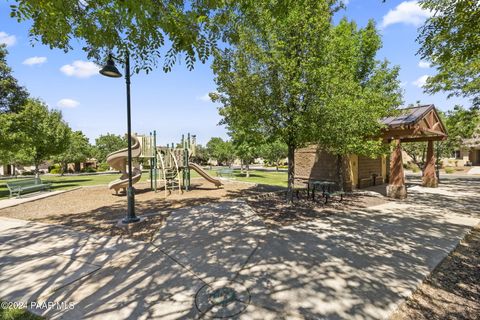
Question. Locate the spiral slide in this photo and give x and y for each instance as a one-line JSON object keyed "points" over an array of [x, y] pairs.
{"points": [[118, 161], [204, 174]]}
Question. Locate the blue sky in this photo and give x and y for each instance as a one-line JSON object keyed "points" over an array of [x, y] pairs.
{"points": [[177, 102]]}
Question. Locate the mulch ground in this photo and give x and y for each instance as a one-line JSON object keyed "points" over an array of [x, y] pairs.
{"points": [[273, 208], [97, 209], [452, 291]]}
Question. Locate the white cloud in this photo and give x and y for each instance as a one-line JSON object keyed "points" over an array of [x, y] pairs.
{"points": [[34, 60], [206, 97], [420, 82], [80, 69], [7, 39], [407, 12], [68, 103], [424, 64]]}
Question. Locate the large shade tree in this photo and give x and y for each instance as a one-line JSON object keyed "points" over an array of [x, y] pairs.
{"points": [[42, 133], [449, 39], [266, 79], [78, 150], [151, 31], [220, 150], [12, 95], [300, 79], [362, 91], [108, 143]]}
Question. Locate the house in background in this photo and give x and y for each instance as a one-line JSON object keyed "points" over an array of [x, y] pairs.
{"points": [[414, 124], [12, 170]]}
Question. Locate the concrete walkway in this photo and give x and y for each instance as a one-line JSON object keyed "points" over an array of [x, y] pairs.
{"points": [[474, 170], [347, 265]]}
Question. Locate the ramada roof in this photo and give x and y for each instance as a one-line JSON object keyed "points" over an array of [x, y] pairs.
{"points": [[420, 123]]}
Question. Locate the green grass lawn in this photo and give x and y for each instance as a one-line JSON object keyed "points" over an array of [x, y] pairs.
{"points": [[68, 182], [263, 177], [17, 314], [256, 176]]}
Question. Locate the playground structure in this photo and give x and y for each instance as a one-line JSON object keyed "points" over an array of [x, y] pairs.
{"points": [[171, 164], [118, 161]]}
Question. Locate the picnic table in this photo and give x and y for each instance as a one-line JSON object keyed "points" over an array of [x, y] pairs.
{"points": [[325, 186]]}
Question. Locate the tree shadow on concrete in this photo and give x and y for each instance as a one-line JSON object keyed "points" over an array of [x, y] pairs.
{"points": [[358, 263]]}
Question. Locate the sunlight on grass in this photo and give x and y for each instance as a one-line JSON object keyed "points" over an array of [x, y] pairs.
{"points": [[69, 182], [263, 177]]}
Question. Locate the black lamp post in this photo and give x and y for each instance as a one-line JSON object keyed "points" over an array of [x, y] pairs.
{"points": [[110, 70]]}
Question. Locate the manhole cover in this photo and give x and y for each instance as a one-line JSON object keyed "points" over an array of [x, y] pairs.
{"points": [[222, 299]]}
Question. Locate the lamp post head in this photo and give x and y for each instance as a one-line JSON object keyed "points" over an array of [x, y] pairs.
{"points": [[110, 70]]}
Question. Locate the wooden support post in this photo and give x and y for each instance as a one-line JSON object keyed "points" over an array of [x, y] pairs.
{"points": [[429, 177], [396, 186]]}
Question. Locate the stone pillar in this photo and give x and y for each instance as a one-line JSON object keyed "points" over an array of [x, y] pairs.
{"points": [[429, 177], [396, 186]]}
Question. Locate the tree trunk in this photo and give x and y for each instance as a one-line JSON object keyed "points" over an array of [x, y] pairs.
{"points": [[276, 165], [241, 165], [291, 172], [247, 167], [37, 175], [340, 172]]}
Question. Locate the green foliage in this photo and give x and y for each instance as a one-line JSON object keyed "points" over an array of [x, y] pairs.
{"points": [[297, 78], [55, 169], [363, 90], [88, 170], [17, 314], [78, 150], [12, 95], [461, 124], [103, 167], [449, 170], [142, 28], [108, 143], [274, 152], [450, 41], [220, 150], [41, 133], [201, 155]]}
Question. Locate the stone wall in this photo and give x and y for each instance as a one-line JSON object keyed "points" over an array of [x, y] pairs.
{"points": [[313, 163]]}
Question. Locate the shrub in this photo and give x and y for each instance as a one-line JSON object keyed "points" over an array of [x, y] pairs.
{"points": [[415, 169], [103, 166], [28, 173], [88, 169], [55, 169], [449, 170]]}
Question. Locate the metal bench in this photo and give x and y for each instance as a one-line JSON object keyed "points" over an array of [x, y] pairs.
{"points": [[17, 187], [225, 172]]}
